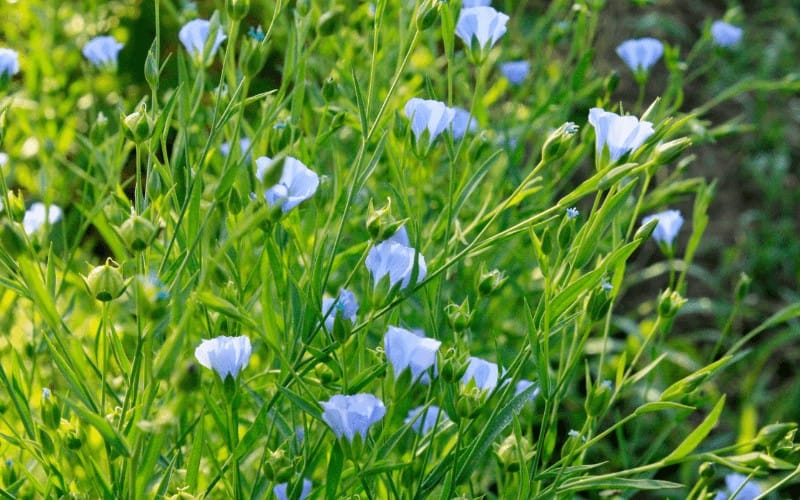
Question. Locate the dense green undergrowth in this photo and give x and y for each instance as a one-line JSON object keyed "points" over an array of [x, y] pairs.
{"points": [[339, 250]]}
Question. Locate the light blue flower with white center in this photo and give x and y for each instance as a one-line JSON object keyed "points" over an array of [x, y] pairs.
{"points": [[345, 305], [193, 36], [524, 384], [425, 419], [390, 258], [640, 54], [38, 215], [428, 115], [281, 491], [9, 63], [351, 415], [297, 184], [102, 51], [735, 482], [621, 134], [726, 34], [405, 350], [480, 28], [669, 223], [515, 71], [484, 373], [463, 123], [225, 355]]}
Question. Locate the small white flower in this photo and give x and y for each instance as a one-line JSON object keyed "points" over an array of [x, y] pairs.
{"points": [[297, 184], [9, 62], [37, 214], [281, 490], [463, 123], [515, 71], [102, 51], [669, 223], [640, 54], [225, 355], [351, 415], [430, 115], [725, 34], [345, 305], [405, 350], [395, 260], [425, 423], [484, 24], [484, 373], [193, 36], [621, 134]]}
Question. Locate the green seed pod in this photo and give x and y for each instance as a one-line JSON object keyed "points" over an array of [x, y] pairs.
{"points": [[469, 401], [105, 283], [329, 89], [669, 303], [278, 468], [151, 70], [138, 232], [510, 451], [452, 364], [427, 14], [743, 286]]}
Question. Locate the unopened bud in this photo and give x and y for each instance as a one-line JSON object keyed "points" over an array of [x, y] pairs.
{"points": [[452, 365], [329, 89], [97, 134], [237, 9], [151, 69], [51, 411], [427, 14], [459, 317], [511, 450], [489, 282], [137, 125], [743, 286], [16, 206], [380, 222], [669, 151], [776, 435], [669, 303], [470, 401], [556, 142]]}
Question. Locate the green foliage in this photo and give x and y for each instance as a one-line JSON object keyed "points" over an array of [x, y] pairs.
{"points": [[182, 222]]}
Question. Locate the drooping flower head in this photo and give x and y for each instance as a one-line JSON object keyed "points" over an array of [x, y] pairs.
{"points": [[345, 305], [102, 51], [621, 134], [9, 63], [281, 490], [726, 34], [405, 350], [640, 54], [669, 223], [395, 260], [484, 373], [351, 415], [224, 355], [428, 115], [430, 417], [35, 217], [193, 36], [480, 28], [298, 183], [515, 71]]}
